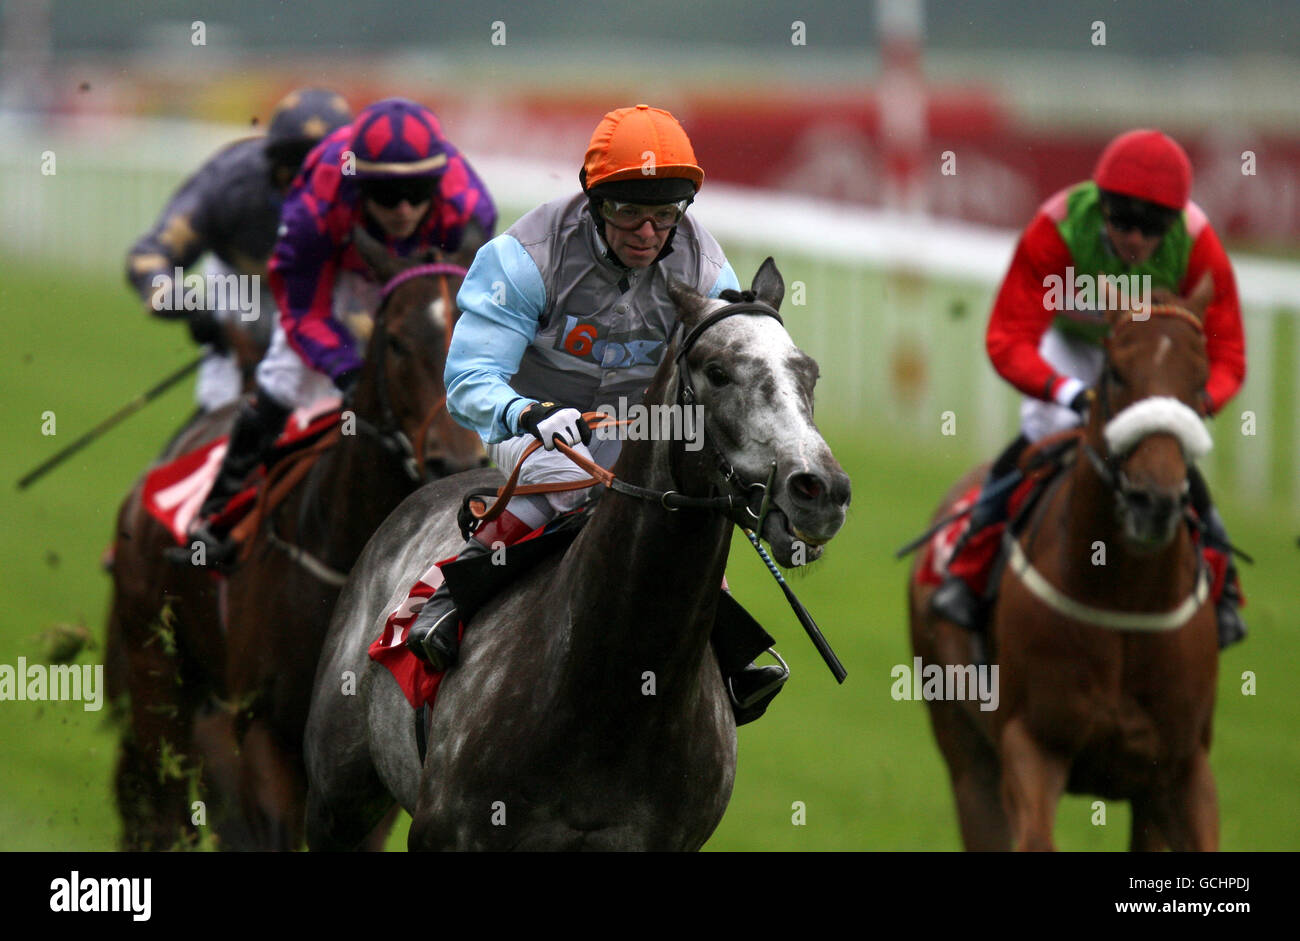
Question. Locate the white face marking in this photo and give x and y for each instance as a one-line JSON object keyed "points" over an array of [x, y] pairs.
{"points": [[778, 426], [437, 314], [1162, 349]]}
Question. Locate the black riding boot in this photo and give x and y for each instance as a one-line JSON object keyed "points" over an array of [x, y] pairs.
{"points": [[1232, 629], [435, 635], [257, 425], [953, 600], [753, 688]]}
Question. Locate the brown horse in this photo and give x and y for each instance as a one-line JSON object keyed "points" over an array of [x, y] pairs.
{"points": [[1103, 631], [224, 667]]}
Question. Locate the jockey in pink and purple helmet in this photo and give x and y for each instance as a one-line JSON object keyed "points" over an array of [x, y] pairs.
{"points": [[393, 172]]}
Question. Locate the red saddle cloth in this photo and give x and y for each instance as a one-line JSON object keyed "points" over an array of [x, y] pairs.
{"points": [[173, 492], [418, 680], [977, 557]]}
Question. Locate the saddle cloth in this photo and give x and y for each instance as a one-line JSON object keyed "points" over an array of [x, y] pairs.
{"points": [[174, 492], [981, 555]]}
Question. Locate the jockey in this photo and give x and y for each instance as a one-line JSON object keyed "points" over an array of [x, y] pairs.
{"points": [[394, 172], [231, 208], [1132, 218], [567, 309]]}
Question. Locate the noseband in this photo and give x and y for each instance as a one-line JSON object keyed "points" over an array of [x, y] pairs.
{"points": [[1108, 467]]}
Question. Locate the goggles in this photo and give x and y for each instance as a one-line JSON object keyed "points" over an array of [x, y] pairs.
{"points": [[390, 192], [631, 216], [1148, 226]]}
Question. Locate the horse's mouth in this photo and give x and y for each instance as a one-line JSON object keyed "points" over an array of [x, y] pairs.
{"points": [[790, 545]]}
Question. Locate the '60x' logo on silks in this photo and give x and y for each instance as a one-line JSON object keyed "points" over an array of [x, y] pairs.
{"points": [[583, 341]]}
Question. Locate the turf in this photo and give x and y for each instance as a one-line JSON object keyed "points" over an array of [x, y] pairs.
{"points": [[863, 768]]}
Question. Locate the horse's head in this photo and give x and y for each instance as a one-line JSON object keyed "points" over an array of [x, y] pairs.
{"points": [[755, 393], [401, 387], [1147, 418]]}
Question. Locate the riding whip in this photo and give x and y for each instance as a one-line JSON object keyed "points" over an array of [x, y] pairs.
{"points": [[139, 402]]}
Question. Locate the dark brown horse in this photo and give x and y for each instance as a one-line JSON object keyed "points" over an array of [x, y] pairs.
{"points": [[219, 671], [548, 734], [1103, 632]]}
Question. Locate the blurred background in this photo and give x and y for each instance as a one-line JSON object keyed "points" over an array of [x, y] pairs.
{"points": [[824, 129]]}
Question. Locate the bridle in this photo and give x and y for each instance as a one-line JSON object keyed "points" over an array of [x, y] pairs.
{"points": [[1109, 466], [389, 431], [741, 497]]}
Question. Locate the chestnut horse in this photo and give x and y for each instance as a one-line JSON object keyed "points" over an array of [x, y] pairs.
{"points": [[1103, 631], [219, 671], [544, 736]]}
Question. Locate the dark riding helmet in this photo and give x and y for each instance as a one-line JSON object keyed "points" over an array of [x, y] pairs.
{"points": [[299, 122]]}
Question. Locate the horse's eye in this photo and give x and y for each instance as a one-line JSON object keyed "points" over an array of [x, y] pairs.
{"points": [[396, 345], [716, 375]]}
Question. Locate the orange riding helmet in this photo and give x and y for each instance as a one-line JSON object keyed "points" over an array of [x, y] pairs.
{"points": [[641, 153]]}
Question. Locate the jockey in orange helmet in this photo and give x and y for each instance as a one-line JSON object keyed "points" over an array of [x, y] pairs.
{"points": [[584, 319], [1133, 217]]}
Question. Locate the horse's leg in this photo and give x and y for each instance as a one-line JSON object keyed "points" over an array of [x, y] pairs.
{"points": [[1145, 834], [153, 773], [271, 781], [1189, 808], [972, 762], [1032, 783], [374, 843], [217, 746]]}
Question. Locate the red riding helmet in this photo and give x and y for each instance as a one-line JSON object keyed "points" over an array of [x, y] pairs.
{"points": [[1147, 165]]}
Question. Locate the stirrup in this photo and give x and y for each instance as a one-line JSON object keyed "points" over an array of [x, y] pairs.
{"points": [[220, 554], [765, 691]]}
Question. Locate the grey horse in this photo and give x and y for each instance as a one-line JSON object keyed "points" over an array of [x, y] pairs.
{"points": [[588, 709]]}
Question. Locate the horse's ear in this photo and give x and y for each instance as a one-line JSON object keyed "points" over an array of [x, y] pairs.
{"points": [[376, 257], [690, 303], [768, 285]]}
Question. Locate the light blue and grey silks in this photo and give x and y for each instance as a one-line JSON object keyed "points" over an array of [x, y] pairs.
{"points": [[546, 316]]}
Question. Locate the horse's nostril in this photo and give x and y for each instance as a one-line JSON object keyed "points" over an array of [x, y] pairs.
{"points": [[807, 486]]}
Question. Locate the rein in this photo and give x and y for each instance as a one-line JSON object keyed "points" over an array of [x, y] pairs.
{"points": [[741, 496]]}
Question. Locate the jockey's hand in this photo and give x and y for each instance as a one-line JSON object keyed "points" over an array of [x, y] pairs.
{"points": [[205, 328], [547, 421], [346, 382], [1081, 401]]}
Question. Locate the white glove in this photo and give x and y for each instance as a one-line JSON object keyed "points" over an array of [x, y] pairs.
{"points": [[546, 421]]}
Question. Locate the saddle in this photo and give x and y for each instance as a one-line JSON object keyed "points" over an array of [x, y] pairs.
{"points": [[737, 637], [173, 492]]}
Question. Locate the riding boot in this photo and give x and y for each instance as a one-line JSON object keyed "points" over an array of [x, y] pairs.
{"points": [[257, 425], [954, 600], [435, 635], [753, 688], [1232, 629]]}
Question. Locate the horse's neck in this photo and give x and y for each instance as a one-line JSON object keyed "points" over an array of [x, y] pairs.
{"points": [[643, 583], [1095, 559], [353, 488]]}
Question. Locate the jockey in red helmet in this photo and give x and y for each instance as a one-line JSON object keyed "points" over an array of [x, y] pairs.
{"points": [[392, 171], [1134, 217]]}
